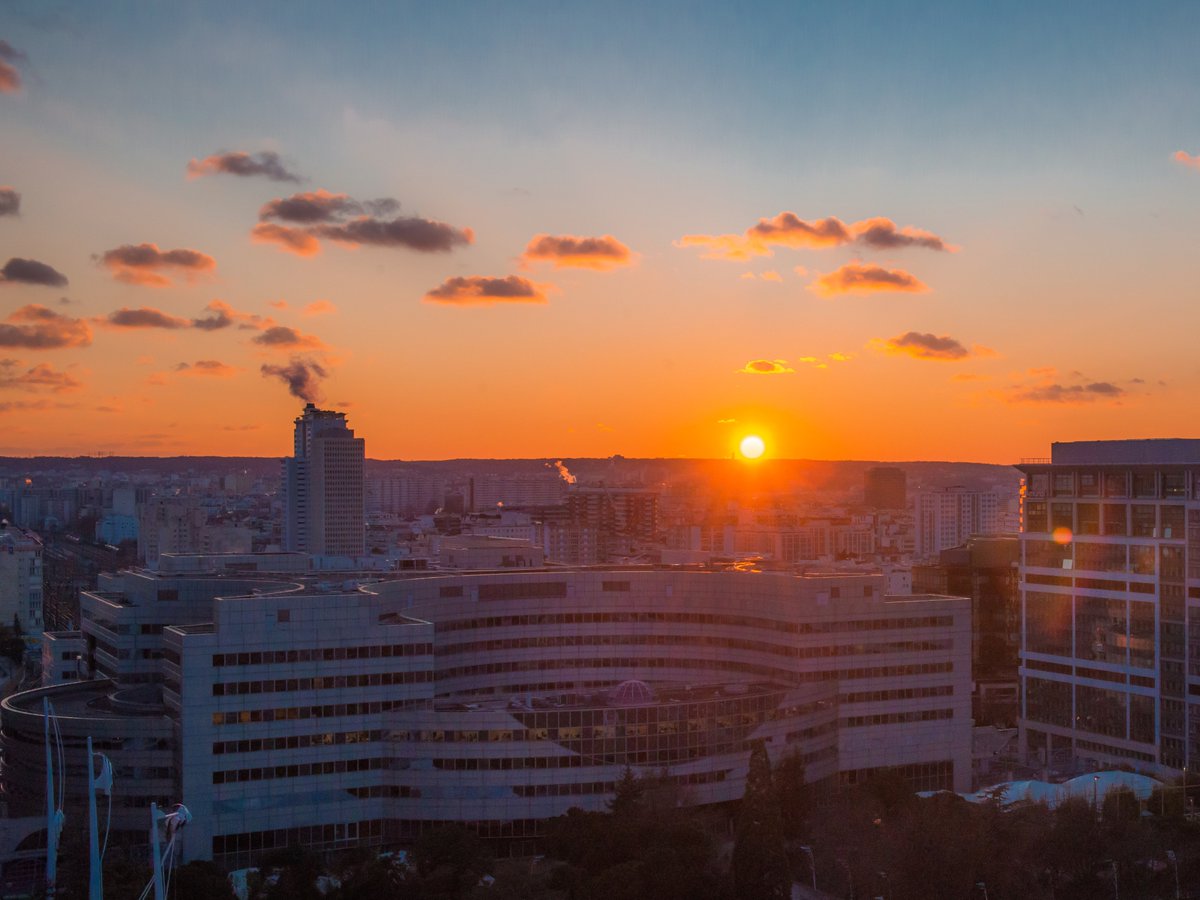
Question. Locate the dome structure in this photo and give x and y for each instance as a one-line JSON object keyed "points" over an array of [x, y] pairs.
{"points": [[631, 693]]}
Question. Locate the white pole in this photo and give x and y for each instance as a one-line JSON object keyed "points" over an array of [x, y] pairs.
{"points": [[96, 879], [51, 823], [160, 892]]}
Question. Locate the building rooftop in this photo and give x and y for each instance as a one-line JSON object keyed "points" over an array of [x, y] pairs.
{"points": [[1154, 451]]}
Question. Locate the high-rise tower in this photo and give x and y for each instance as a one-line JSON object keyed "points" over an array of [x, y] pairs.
{"points": [[323, 486]]}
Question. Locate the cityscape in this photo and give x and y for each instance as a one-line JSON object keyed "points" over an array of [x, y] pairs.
{"points": [[622, 548]]}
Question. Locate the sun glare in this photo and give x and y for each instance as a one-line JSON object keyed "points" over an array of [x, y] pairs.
{"points": [[752, 446]]}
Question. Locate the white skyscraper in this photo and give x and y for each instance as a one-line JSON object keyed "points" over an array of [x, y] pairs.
{"points": [[945, 519], [323, 486]]}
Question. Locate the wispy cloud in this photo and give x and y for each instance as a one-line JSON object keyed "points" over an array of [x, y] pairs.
{"points": [[38, 327], [1066, 393], [789, 230], [568, 251], [210, 368], [146, 264], [265, 163], [319, 308], [859, 278], [481, 290], [767, 367], [143, 317], [42, 376], [290, 240], [30, 271]]}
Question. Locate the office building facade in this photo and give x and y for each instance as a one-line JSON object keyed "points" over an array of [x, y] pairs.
{"points": [[324, 509]]}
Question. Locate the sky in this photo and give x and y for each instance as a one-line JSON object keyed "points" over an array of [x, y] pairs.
{"points": [[889, 231]]}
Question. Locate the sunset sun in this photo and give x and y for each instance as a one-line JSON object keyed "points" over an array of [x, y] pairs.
{"points": [[752, 446]]}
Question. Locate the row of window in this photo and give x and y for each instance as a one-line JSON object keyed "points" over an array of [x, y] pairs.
{"points": [[292, 713], [297, 741], [320, 683], [299, 770], [327, 654], [305, 836], [684, 618], [902, 718], [941, 690]]}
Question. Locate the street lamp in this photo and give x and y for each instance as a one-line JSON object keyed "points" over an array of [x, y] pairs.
{"points": [[812, 865]]}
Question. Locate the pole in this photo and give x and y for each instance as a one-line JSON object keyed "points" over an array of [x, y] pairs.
{"points": [[51, 823], [160, 892], [812, 865], [96, 879]]}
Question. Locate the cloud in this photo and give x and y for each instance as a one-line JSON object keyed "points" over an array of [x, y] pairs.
{"points": [[841, 357], [767, 367], [10, 202], [922, 345], [771, 275], [422, 235], [41, 328], [568, 251], [42, 375], [882, 234], [207, 367], [726, 421], [1192, 162], [143, 317], [302, 376], [30, 271], [281, 337], [481, 290], [222, 315], [789, 230], [144, 264], [10, 78], [319, 308], [339, 217], [310, 207], [290, 240], [969, 376], [859, 278], [278, 304], [236, 162], [1065, 393]]}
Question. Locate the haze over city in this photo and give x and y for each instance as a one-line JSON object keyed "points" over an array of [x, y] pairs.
{"points": [[866, 232]]}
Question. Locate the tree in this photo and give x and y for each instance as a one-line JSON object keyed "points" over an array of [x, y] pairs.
{"points": [[200, 880], [792, 792], [627, 795], [760, 867]]}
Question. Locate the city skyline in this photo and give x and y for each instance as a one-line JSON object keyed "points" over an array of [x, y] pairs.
{"points": [[866, 233]]}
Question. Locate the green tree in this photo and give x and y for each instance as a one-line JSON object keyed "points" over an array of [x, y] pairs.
{"points": [[200, 880], [760, 867], [628, 795]]}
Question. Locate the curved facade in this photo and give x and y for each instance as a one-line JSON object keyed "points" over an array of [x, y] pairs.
{"points": [[504, 699]]}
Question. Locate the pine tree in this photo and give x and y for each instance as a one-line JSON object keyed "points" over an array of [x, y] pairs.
{"points": [[760, 867], [628, 795]]}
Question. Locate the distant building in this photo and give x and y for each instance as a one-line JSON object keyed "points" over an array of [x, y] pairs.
{"points": [[469, 551], [324, 510], [20, 578], [1110, 663], [885, 487], [181, 525], [985, 569], [946, 518]]}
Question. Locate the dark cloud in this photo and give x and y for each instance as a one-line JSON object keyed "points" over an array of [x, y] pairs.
{"points": [[143, 317], [302, 376], [882, 234], [481, 290], [236, 162], [39, 377], [339, 217], [1064, 393], [566, 250], [10, 202], [310, 207], [423, 235], [222, 315], [30, 271], [789, 230], [283, 337], [40, 328], [10, 78], [922, 345], [144, 263], [856, 278]]}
